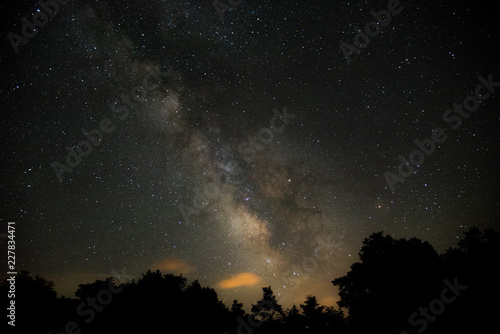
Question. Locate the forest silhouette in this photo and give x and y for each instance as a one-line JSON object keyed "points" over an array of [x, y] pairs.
{"points": [[397, 286]]}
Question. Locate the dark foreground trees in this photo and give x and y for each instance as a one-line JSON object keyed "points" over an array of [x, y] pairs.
{"points": [[405, 286], [398, 286]]}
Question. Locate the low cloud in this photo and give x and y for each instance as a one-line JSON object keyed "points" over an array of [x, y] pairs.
{"points": [[239, 280]]}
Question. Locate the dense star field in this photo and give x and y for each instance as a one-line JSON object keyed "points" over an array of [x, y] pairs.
{"points": [[243, 143]]}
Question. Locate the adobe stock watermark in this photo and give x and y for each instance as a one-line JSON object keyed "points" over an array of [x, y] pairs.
{"points": [[372, 29], [204, 199], [91, 305], [221, 7], [94, 137], [325, 247], [426, 147], [436, 306], [265, 136], [39, 19], [201, 201], [252, 321]]}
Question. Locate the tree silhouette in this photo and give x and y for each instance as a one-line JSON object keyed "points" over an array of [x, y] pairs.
{"points": [[267, 308], [294, 321], [35, 300], [397, 286], [398, 280], [311, 308], [92, 289], [393, 278], [237, 309], [312, 313], [334, 320], [475, 261], [268, 311]]}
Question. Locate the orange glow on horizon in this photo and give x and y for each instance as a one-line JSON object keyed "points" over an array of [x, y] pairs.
{"points": [[173, 265]]}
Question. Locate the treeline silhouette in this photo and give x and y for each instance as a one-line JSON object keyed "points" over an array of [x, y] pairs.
{"points": [[398, 286]]}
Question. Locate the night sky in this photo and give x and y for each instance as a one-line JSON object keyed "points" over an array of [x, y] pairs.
{"points": [[244, 148]]}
